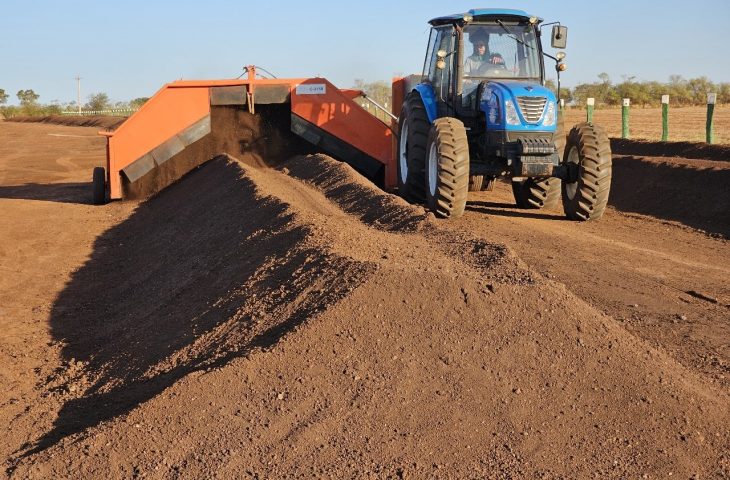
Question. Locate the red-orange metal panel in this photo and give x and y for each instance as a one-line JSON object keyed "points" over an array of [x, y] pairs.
{"points": [[351, 93], [163, 116], [321, 103], [398, 92]]}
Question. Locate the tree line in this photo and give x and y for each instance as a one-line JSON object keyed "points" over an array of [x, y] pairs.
{"points": [[30, 105], [681, 91]]}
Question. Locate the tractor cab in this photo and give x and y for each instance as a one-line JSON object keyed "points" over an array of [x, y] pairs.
{"points": [[498, 53], [494, 51]]}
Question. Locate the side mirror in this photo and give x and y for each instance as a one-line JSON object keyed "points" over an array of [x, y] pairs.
{"points": [[559, 36]]}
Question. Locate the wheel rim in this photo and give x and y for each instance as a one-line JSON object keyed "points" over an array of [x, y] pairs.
{"points": [[572, 188], [403, 157], [432, 169]]}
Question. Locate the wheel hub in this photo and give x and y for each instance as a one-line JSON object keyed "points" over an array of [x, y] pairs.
{"points": [[403, 157], [432, 169], [571, 182]]}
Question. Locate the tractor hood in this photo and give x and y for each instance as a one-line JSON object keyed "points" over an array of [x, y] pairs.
{"points": [[533, 103], [510, 90]]}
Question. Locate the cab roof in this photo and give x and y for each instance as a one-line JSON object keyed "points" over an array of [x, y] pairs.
{"points": [[482, 14]]}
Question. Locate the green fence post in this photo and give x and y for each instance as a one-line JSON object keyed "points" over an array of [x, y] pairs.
{"points": [[625, 118], [665, 118], [589, 109], [711, 97]]}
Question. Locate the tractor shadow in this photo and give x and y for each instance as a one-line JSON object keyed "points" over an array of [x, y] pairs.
{"points": [[191, 280], [78, 193], [510, 210]]}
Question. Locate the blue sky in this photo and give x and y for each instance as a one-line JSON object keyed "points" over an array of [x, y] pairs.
{"points": [[129, 49]]}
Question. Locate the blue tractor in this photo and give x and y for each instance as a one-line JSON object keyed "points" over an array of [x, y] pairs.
{"points": [[481, 111]]}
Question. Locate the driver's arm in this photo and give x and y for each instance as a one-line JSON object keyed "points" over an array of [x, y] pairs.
{"points": [[468, 66]]}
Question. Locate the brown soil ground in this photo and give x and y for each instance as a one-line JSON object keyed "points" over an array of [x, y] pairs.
{"points": [[686, 124], [298, 322]]}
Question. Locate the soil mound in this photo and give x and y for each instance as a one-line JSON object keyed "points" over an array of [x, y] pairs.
{"points": [[108, 123], [298, 322], [693, 192], [696, 150]]}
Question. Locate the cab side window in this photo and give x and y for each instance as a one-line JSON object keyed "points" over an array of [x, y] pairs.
{"points": [[439, 77], [428, 63]]}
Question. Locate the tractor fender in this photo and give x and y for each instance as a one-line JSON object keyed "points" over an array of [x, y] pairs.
{"points": [[428, 96]]}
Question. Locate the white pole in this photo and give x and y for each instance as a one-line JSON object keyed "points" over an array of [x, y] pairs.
{"points": [[78, 93], [590, 102]]}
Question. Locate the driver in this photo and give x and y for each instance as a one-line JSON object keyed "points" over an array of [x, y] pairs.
{"points": [[476, 60], [481, 55]]}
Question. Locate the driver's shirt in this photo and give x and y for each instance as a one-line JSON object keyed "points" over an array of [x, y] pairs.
{"points": [[473, 62]]}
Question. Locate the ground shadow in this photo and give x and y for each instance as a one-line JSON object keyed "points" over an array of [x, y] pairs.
{"points": [[202, 273], [510, 210], [79, 192], [696, 197]]}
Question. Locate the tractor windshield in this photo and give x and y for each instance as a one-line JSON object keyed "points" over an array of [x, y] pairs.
{"points": [[501, 49]]}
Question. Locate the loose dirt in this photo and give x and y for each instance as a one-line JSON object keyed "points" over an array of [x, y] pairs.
{"points": [[250, 322]]}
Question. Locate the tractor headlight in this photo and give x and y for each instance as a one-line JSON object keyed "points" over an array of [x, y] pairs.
{"points": [[510, 113], [549, 119], [493, 109], [493, 114]]}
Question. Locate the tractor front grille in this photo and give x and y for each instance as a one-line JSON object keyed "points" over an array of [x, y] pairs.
{"points": [[532, 107]]}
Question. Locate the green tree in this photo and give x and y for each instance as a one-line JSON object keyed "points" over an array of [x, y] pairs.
{"points": [[723, 93], [53, 109], [678, 90], [3, 96], [699, 88], [137, 103], [636, 91], [98, 101], [28, 98], [379, 91]]}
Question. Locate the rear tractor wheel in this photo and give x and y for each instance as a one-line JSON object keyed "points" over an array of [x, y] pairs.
{"points": [[588, 158], [536, 194], [447, 170], [481, 183], [476, 183]]}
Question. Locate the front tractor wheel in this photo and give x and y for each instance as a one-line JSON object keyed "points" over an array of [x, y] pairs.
{"points": [[588, 158], [447, 169]]}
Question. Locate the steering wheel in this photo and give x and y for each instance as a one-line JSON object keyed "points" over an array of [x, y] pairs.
{"points": [[487, 69]]}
